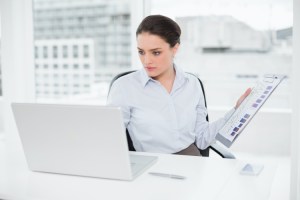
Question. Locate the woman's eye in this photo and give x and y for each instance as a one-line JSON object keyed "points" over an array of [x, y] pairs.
{"points": [[141, 52], [156, 53]]}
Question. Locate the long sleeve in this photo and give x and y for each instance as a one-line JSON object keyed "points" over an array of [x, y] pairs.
{"points": [[206, 132], [117, 97]]}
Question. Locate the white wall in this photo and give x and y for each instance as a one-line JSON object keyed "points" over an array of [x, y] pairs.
{"points": [[138, 12], [1, 117], [1, 110], [295, 146], [17, 64]]}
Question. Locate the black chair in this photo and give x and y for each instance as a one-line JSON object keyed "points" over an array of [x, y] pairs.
{"points": [[223, 152]]}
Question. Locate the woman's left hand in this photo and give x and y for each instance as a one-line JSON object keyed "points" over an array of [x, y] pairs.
{"points": [[241, 99]]}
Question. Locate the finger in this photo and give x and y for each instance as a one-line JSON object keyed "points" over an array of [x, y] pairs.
{"points": [[248, 91], [241, 99]]}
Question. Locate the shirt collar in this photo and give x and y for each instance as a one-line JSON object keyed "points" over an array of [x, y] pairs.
{"points": [[144, 77], [180, 74], [180, 78]]}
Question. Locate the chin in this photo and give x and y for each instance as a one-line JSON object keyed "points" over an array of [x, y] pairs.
{"points": [[152, 75]]}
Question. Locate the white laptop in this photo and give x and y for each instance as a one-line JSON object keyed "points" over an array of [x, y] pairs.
{"points": [[84, 140]]}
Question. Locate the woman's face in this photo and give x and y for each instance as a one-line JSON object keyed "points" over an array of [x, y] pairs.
{"points": [[155, 54]]}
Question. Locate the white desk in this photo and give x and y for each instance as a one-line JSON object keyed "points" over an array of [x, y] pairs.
{"points": [[207, 178]]}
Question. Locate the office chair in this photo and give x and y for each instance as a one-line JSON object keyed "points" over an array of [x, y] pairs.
{"points": [[223, 152]]}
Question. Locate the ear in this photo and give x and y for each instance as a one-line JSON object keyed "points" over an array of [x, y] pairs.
{"points": [[175, 49]]}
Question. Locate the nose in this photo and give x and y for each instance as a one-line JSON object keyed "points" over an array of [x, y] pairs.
{"points": [[147, 59]]}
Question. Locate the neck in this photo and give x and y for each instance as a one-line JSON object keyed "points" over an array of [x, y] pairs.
{"points": [[167, 79], [167, 76]]}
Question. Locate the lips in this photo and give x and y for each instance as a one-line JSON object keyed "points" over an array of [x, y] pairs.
{"points": [[148, 68]]}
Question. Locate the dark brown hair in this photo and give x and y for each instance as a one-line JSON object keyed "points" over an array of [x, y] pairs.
{"points": [[161, 26]]}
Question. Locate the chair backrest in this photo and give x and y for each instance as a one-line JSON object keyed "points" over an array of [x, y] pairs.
{"points": [[203, 152]]}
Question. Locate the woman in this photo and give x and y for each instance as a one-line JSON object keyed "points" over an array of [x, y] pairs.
{"points": [[163, 107]]}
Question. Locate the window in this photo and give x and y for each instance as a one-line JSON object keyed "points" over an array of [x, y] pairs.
{"points": [[86, 76], [75, 51], [36, 52], [86, 66], [65, 51], [54, 51], [88, 34], [65, 66], [55, 77], [85, 51], [45, 52], [229, 47], [75, 66], [76, 75]]}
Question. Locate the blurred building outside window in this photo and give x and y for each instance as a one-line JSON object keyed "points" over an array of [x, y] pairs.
{"points": [[231, 44], [88, 42]]}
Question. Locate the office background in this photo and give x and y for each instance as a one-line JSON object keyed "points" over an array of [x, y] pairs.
{"points": [[80, 45], [70, 50]]}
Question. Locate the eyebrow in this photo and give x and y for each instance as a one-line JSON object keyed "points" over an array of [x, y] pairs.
{"points": [[151, 49]]}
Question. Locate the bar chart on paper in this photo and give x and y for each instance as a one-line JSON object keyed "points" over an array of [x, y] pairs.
{"points": [[247, 110]]}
